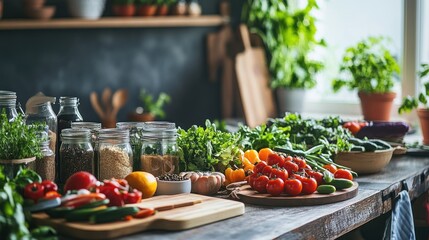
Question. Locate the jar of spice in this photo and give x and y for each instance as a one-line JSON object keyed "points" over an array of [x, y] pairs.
{"points": [[45, 166], [92, 126], [135, 129], [115, 156], [8, 104], [159, 148], [76, 152]]}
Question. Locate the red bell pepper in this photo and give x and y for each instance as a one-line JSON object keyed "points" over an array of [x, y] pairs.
{"points": [[113, 194], [34, 191], [132, 197]]}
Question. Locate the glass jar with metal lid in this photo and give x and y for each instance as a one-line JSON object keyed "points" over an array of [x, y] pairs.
{"points": [[8, 104], [135, 129], [115, 156], [94, 127], [45, 165], [159, 148], [76, 152]]}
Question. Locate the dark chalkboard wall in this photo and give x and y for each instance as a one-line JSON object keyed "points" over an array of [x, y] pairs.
{"points": [[74, 62]]}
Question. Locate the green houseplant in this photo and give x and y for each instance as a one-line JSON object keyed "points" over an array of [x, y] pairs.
{"points": [[151, 108], [370, 68], [421, 104], [146, 8], [123, 8], [19, 144], [289, 35], [164, 6]]}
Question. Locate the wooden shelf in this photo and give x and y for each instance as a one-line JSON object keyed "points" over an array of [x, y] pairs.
{"points": [[116, 22]]}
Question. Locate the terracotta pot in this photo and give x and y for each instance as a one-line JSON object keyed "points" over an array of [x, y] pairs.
{"points": [[376, 106], [162, 10], [143, 117], [43, 13], [1, 8], [33, 4], [146, 10], [124, 10], [424, 124]]}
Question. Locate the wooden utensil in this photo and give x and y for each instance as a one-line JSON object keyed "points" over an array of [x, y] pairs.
{"points": [[96, 105], [107, 101], [253, 82], [209, 210], [119, 99]]}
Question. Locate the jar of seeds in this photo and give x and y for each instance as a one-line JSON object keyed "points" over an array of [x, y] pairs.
{"points": [[135, 129], [45, 165], [76, 152], [159, 148], [115, 156], [92, 126]]}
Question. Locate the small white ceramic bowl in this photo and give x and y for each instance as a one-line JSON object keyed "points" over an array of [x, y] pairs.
{"points": [[173, 187]]}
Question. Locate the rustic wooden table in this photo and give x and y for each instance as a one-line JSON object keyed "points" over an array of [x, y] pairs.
{"points": [[317, 222]]}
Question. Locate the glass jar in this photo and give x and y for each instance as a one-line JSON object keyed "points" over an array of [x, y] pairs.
{"points": [[68, 113], [41, 112], [115, 156], [159, 148], [92, 126], [45, 165], [8, 104], [76, 153], [135, 129]]}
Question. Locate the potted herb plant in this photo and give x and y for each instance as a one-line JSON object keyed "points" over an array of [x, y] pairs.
{"points": [[289, 35], [146, 8], [370, 68], [151, 108], [164, 6], [421, 104], [20, 144], [123, 8]]}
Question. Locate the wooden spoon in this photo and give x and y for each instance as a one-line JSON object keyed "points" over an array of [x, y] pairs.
{"points": [[119, 99], [96, 105], [107, 102]]}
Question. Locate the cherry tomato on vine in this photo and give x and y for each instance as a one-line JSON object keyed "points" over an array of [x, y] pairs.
{"points": [[252, 178], [293, 187], [274, 159], [330, 167], [279, 173], [275, 186], [259, 166], [291, 167], [309, 185], [288, 158], [316, 175], [34, 191], [354, 127], [260, 184], [343, 173], [300, 162], [267, 170]]}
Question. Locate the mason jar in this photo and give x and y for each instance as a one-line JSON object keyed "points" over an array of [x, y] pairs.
{"points": [[8, 104], [135, 129], [76, 153], [114, 153], [94, 127], [159, 148], [45, 165]]}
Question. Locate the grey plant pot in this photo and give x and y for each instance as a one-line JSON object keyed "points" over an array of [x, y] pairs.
{"points": [[86, 9], [290, 100]]}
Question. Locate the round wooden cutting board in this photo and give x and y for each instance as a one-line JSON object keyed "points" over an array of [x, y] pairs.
{"points": [[247, 195]]}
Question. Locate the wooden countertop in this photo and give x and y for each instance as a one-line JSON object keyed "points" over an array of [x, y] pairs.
{"points": [[317, 222]]}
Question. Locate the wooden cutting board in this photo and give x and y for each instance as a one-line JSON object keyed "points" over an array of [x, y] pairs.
{"points": [[209, 210], [246, 194], [253, 82]]}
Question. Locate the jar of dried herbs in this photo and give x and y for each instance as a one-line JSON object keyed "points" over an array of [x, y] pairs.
{"points": [[159, 148], [94, 127], [135, 129], [115, 156], [45, 165], [76, 152]]}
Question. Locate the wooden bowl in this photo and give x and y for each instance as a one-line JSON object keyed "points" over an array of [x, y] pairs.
{"points": [[365, 162], [43, 13]]}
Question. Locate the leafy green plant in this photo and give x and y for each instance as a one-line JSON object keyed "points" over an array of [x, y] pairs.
{"points": [[152, 106], [409, 103], [370, 66], [289, 36], [18, 140]]}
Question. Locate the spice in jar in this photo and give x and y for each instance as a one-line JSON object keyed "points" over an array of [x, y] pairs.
{"points": [[172, 177], [115, 158], [135, 129], [45, 166], [76, 153]]}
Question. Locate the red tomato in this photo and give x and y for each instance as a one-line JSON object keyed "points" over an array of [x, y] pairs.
{"points": [[330, 167], [259, 166], [317, 176], [291, 167], [354, 127], [113, 194], [252, 178], [274, 159], [132, 197], [309, 185], [279, 173], [260, 184], [51, 195], [275, 186], [267, 170], [300, 162], [34, 191], [343, 173], [49, 186], [80, 180], [288, 158], [293, 187]]}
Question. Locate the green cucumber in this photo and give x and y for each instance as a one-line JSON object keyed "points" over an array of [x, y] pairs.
{"points": [[369, 146], [83, 214], [95, 204], [326, 189], [59, 212], [382, 144], [356, 141], [327, 176], [341, 183], [358, 149], [110, 215]]}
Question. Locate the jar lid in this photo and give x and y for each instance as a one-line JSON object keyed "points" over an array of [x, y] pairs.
{"points": [[76, 134], [130, 125], [87, 125], [7, 98], [7, 93], [158, 125], [69, 101], [113, 133], [159, 130]]}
